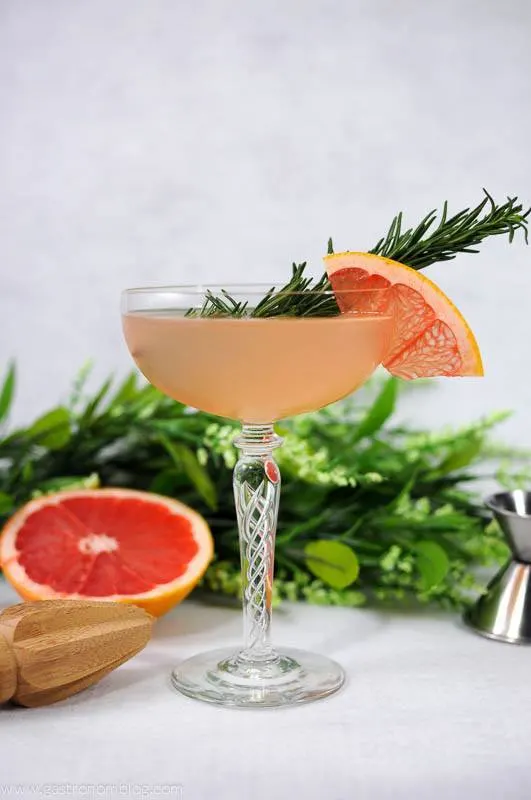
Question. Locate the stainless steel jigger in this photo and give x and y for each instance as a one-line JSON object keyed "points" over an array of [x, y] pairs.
{"points": [[504, 611]]}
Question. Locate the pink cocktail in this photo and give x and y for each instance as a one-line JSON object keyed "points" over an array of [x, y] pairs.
{"points": [[256, 370]]}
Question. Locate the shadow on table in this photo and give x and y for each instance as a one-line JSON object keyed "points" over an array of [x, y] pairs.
{"points": [[110, 688]]}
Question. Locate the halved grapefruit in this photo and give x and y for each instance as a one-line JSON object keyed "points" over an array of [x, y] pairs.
{"points": [[106, 544], [430, 336]]}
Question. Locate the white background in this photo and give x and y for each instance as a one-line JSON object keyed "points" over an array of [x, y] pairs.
{"points": [[168, 141]]}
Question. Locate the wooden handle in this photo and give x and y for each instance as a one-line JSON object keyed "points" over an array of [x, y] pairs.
{"points": [[54, 648]]}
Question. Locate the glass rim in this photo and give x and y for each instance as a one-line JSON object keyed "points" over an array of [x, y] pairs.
{"points": [[258, 289]]}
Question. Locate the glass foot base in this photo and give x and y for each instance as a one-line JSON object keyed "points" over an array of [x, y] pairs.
{"points": [[227, 679]]}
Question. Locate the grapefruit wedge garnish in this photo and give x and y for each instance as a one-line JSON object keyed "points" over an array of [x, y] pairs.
{"points": [[430, 336], [106, 544]]}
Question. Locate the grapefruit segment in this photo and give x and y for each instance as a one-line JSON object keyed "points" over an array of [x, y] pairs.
{"points": [[106, 544], [430, 336]]}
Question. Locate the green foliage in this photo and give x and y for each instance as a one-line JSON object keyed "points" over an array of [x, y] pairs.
{"points": [[370, 511]]}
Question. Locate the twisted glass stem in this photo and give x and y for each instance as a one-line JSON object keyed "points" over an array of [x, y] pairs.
{"points": [[256, 494]]}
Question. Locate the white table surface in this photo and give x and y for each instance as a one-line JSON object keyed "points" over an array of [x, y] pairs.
{"points": [[429, 711]]}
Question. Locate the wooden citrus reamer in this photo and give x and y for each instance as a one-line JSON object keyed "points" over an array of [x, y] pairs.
{"points": [[52, 649]]}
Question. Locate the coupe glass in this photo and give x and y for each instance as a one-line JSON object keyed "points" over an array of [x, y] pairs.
{"points": [[253, 360]]}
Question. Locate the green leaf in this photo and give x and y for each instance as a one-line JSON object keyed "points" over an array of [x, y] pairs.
{"points": [[432, 563], [27, 472], [126, 390], [93, 405], [52, 430], [199, 477], [380, 411], [333, 562], [6, 503], [7, 391], [164, 482], [462, 456], [79, 384]]}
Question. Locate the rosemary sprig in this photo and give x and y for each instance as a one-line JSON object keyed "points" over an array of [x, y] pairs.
{"points": [[424, 245], [437, 237]]}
